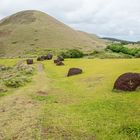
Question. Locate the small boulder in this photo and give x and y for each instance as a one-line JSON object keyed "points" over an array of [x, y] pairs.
{"points": [[74, 71], [49, 56], [43, 57], [60, 58], [56, 60], [59, 63], [40, 59], [29, 61], [128, 82]]}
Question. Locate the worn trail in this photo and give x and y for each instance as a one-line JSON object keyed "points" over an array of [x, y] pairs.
{"points": [[20, 113]]}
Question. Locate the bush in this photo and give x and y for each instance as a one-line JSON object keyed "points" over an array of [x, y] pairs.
{"points": [[2, 89], [4, 68], [119, 48], [94, 52], [16, 82], [109, 55], [137, 55], [16, 76], [72, 54], [25, 69]]}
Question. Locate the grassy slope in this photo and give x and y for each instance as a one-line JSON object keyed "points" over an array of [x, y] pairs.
{"points": [[87, 107], [29, 30], [79, 107]]}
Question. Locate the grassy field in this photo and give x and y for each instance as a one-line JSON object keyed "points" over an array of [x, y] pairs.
{"points": [[83, 107], [8, 62]]}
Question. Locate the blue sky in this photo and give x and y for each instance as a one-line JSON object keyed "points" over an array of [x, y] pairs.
{"points": [[111, 18]]}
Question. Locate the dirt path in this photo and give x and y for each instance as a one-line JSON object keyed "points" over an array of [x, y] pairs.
{"points": [[40, 67], [19, 113]]}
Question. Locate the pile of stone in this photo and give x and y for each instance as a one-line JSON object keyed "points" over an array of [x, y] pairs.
{"points": [[45, 57], [59, 60]]}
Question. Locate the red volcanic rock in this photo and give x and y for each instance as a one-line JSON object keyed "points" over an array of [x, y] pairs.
{"points": [[128, 82], [55, 61], [60, 58], [59, 63], [49, 57], [45, 57], [74, 71], [29, 61], [40, 59]]}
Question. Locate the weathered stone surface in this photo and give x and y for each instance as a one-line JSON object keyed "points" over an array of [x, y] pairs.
{"points": [[40, 59], [60, 58], [59, 63], [56, 60], [74, 71], [49, 56], [29, 61], [45, 57], [128, 82]]}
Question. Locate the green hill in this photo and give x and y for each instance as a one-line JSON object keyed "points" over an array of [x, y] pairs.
{"points": [[30, 30]]}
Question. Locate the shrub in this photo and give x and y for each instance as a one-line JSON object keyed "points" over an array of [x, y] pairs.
{"points": [[26, 69], [4, 68], [16, 76], [120, 48], [124, 43], [30, 71], [2, 88], [16, 82], [74, 53], [137, 55], [94, 52], [108, 54]]}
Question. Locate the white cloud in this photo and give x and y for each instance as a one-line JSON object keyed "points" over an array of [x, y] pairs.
{"points": [[115, 18]]}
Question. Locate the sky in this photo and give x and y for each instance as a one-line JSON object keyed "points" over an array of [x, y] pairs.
{"points": [[106, 18]]}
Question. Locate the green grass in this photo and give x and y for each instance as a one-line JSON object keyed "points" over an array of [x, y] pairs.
{"points": [[82, 107], [8, 62], [86, 107]]}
